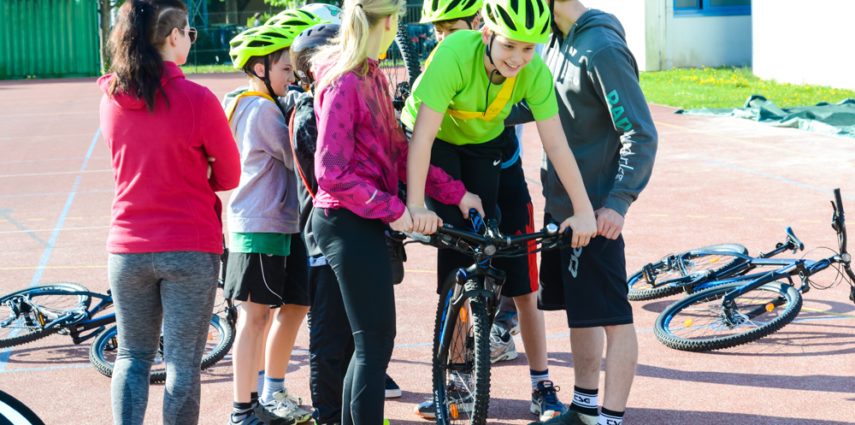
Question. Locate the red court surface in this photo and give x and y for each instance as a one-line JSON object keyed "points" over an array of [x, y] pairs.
{"points": [[716, 180]]}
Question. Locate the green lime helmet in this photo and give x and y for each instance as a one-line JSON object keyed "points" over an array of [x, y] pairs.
{"points": [[444, 10], [296, 18], [521, 20], [259, 41]]}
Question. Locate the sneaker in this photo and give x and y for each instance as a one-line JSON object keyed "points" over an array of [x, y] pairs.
{"points": [[502, 348], [515, 329], [392, 389], [544, 401], [464, 402], [250, 419], [266, 415], [286, 408], [570, 417]]}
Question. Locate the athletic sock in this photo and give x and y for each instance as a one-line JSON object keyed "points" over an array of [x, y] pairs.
{"points": [[240, 411], [610, 417], [585, 401], [537, 376], [259, 385], [253, 398], [271, 385]]}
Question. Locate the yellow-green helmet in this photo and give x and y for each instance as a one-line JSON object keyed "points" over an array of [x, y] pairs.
{"points": [[297, 18], [444, 10], [521, 20], [259, 41]]}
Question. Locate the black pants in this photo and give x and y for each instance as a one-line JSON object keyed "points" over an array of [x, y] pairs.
{"points": [[478, 167], [356, 250], [330, 344]]}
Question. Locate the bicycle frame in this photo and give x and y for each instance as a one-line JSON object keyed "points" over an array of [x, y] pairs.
{"points": [[77, 323], [787, 268]]}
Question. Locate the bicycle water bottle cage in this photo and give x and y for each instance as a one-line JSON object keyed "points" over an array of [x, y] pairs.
{"points": [[793, 242]]}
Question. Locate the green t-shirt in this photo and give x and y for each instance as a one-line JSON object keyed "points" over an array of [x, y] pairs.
{"points": [[261, 243], [456, 79]]}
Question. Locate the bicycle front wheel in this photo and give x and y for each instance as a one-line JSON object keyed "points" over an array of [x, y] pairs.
{"points": [[102, 353], [699, 322], [33, 313], [461, 360], [672, 273]]}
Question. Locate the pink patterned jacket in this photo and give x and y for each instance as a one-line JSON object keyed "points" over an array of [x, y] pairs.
{"points": [[361, 149]]}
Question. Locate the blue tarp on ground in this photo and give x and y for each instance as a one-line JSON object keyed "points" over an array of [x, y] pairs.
{"points": [[828, 118]]}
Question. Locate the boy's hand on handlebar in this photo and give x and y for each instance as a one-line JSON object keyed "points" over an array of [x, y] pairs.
{"points": [[584, 228], [404, 223], [470, 201], [609, 223], [425, 221]]}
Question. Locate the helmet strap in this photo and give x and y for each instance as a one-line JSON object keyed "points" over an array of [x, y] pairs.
{"points": [[555, 30], [266, 80], [490, 56]]}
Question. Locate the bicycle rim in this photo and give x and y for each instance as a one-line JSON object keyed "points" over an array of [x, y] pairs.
{"points": [[21, 323], [671, 276], [697, 322]]}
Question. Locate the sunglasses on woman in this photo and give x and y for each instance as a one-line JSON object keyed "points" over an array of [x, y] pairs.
{"points": [[191, 32]]}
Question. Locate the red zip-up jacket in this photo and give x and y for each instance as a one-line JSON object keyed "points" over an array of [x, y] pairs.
{"points": [[164, 200], [362, 152]]}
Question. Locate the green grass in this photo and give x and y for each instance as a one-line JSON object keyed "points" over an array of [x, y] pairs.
{"points": [[729, 88]]}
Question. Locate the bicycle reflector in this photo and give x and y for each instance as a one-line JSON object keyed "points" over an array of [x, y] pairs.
{"points": [[462, 315], [688, 323], [452, 410], [770, 307]]}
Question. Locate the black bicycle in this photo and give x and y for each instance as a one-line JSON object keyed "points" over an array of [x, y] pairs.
{"points": [[467, 305], [730, 304], [67, 308]]}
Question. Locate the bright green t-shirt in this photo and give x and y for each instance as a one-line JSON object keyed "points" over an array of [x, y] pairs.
{"points": [[261, 243], [456, 79]]}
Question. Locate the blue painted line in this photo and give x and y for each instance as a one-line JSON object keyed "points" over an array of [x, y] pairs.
{"points": [[772, 176], [5, 214], [37, 276]]}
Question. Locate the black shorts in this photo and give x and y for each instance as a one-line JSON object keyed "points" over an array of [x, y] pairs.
{"points": [[269, 279], [588, 283], [517, 217]]}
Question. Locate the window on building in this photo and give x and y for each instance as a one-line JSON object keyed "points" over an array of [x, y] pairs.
{"points": [[711, 7]]}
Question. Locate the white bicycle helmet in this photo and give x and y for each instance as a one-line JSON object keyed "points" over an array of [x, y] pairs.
{"points": [[327, 12]]}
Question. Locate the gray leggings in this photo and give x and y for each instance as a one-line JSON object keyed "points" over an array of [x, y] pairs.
{"points": [[177, 287]]}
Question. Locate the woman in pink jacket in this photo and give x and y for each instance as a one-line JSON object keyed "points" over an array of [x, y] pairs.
{"points": [[171, 149], [361, 155]]}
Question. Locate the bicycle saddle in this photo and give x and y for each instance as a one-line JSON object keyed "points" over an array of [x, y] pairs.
{"points": [[793, 242]]}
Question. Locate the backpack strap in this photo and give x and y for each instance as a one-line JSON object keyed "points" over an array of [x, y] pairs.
{"points": [[294, 154], [230, 110]]}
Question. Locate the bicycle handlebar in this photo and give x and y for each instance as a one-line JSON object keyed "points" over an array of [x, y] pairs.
{"points": [[492, 242]]}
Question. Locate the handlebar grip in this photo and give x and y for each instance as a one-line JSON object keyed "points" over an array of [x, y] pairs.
{"points": [[838, 201]]}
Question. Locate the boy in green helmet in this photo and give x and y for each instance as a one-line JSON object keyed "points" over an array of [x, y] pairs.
{"points": [[457, 116], [267, 259]]}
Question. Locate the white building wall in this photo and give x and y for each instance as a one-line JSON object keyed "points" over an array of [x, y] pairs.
{"points": [[805, 42], [661, 41]]}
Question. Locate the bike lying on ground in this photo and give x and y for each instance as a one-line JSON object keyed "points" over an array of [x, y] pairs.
{"points": [[468, 301], [66, 308], [729, 303]]}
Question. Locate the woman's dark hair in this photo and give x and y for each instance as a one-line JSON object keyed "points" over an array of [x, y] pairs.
{"points": [[141, 29]]}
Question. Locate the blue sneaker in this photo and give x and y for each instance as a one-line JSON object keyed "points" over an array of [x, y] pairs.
{"points": [[544, 401]]}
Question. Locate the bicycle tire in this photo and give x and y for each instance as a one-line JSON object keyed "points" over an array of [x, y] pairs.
{"points": [[102, 350], [401, 67], [675, 275], [14, 412], [470, 340], [676, 326], [22, 327]]}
